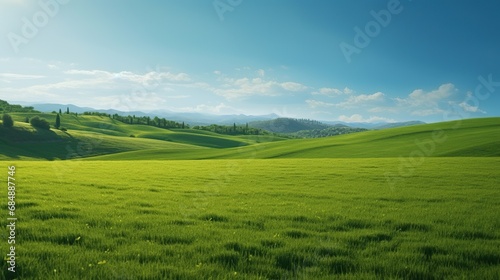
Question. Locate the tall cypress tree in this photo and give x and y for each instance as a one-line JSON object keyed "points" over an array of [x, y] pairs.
{"points": [[58, 121]]}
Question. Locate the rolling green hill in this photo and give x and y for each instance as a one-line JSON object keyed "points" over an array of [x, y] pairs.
{"points": [[102, 138], [94, 135], [472, 137]]}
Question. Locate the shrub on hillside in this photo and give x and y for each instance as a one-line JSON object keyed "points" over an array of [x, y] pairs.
{"points": [[37, 122], [7, 120]]}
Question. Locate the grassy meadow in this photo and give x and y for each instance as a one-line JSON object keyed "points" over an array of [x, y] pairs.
{"points": [[258, 219]]}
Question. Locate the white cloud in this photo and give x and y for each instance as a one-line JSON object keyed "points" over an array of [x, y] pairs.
{"points": [[221, 108], [421, 98], [333, 91], [13, 76], [329, 91], [261, 72], [243, 87], [147, 78], [121, 90], [359, 118], [469, 108], [362, 99], [291, 86], [422, 103], [348, 90], [318, 104], [129, 102]]}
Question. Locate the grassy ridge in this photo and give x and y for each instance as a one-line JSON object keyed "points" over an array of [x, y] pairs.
{"points": [[94, 135], [101, 138], [24, 142], [257, 219], [473, 137]]}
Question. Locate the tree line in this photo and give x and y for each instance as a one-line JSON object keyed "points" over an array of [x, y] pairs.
{"points": [[156, 121], [232, 129], [5, 107]]}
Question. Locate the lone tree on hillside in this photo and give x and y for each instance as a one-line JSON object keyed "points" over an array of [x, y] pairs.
{"points": [[67, 110], [7, 121], [40, 123], [58, 121], [60, 112]]}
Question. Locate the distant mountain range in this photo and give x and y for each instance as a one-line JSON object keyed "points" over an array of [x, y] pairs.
{"points": [[379, 125], [190, 118], [271, 122], [288, 125]]}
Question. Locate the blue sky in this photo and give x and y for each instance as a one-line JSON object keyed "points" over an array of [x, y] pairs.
{"points": [[342, 60]]}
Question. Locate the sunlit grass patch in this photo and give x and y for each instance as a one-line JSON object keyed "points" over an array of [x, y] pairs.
{"points": [[258, 223]]}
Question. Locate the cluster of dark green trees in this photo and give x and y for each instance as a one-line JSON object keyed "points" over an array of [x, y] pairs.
{"points": [[232, 129], [36, 122], [7, 121], [331, 131], [5, 107], [288, 125], [157, 122], [39, 123]]}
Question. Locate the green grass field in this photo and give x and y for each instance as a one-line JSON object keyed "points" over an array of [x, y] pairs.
{"points": [[101, 138], [417, 202], [473, 137], [257, 219]]}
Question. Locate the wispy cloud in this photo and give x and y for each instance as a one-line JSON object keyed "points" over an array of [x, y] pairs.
{"points": [[147, 78], [422, 103], [359, 118], [14, 76], [468, 107], [232, 88], [218, 109], [421, 98], [216, 93], [333, 91], [318, 104], [362, 100]]}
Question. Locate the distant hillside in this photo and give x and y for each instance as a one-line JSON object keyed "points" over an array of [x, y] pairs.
{"points": [[411, 144], [92, 135], [330, 131], [189, 118], [378, 125], [398, 124], [5, 107], [288, 125]]}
